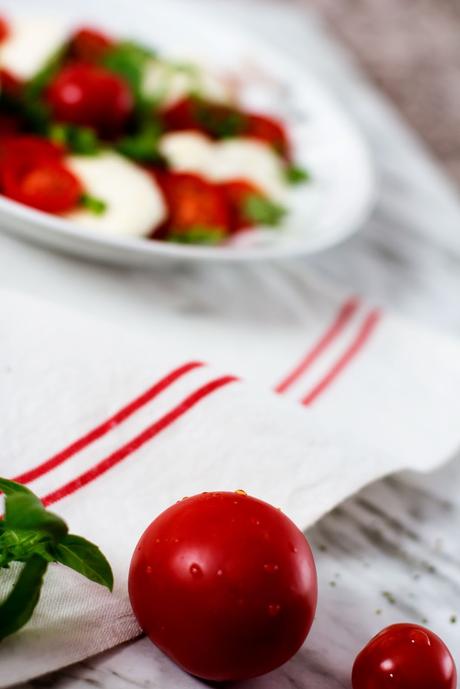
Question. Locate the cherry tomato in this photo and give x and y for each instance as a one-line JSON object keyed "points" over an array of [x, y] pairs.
{"points": [[89, 45], [48, 187], [237, 193], [271, 131], [225, 585], [4, 29], [405, 656], [194, 202], [91, 96], [18, 154]]}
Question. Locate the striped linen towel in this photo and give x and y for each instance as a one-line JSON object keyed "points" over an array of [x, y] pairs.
{"points": [[110, 429]]}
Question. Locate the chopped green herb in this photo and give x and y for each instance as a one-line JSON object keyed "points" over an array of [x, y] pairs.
{"points": [[453, 619], [129, 60], [81, 140], [35, 537], [220, 121], [297, 175], [143, 146], [389, 596], [262, 211], [198, 234], [93, 204]]}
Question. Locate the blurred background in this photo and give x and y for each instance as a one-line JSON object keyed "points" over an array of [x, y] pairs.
{"points": [[410, 49]]}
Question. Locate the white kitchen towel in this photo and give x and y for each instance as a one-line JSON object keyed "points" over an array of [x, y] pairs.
{"points": [[110, 429]]}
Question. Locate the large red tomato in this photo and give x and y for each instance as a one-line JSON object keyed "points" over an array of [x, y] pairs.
{"points": [[225, 585], [405, 656]]}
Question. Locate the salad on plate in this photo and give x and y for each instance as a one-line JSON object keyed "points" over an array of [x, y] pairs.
{"points": [[116, 138]]}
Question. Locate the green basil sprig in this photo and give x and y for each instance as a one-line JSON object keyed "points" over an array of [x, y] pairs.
{"points": [[32, 535]]}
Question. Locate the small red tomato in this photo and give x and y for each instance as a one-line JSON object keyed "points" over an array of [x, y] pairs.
{"points": [[89, 45], [216, 120], [48, 187], [405, 656], [181, 116], [271, 131], [225, 585], [237, 193], [91, 96], [19, 154], [4, 29], [194, 202]]}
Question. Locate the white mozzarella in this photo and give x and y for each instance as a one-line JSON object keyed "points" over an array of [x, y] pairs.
{"points": [[31, 43], [135, 204], [169, 82], [252, 160], [222, 161], [188, 152]]}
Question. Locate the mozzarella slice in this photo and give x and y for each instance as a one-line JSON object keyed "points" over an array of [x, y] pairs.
{"points": [[135, 204], [31, 43], [222, 161], [168, 82]]}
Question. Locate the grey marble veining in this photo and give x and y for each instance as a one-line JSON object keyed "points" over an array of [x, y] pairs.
{"points": [[391, 553]]}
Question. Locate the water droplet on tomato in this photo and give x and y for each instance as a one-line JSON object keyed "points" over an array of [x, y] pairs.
{"points": [[240, 491], [274, 609], [195, 570], [293, 549], [220, 572], [149, 569], [157, 540], [418, 636], [270, 568]]}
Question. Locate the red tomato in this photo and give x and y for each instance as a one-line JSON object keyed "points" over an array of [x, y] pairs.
{"points": [[89, 45], [48, 187], [237, 193], [4, 29], [194, 202], [91, 96], [405, 656], [225, 585], [214, 119], [181, 116], [271, 131], [18, 154]]}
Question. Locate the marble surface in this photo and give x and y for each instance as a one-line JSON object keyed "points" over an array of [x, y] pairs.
{"points": [[391, 553]]}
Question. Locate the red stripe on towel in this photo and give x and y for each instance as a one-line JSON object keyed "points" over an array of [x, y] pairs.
{"points": [[108, 425], [136, 443], [366, 330], [345, 314]]}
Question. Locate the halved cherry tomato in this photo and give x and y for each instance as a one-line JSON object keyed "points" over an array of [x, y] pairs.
{"points": [[49, 187], [271, 131], [18, 154], [91, 96], [225, 585], [405, 656], [237, 193], [89, 45], [4, 29], [194, 202]]}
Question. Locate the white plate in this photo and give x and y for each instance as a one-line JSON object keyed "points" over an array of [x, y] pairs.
{"points": [[322, 213]]}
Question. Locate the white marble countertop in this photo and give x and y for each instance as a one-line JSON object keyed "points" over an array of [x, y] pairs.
{"points": [[391, 553]]}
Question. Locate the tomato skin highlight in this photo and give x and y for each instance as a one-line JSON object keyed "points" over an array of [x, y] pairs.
{"points": [[91, 96], [405, 656], [225, 585]]}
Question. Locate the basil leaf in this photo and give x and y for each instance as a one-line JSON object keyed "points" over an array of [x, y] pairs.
{"points": [[93, 204], [198, 234], [262, 211], [129, 60], [86, 558], [81, 140], [297, 175], [16, 610], [142, 146], [25, 512], [220, 121]]}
